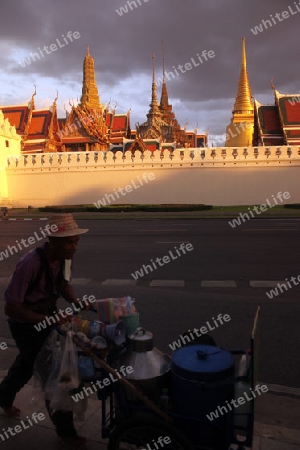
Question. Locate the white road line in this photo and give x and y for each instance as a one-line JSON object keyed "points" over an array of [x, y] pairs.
{"points": [[218, 283], [265, 283], [167, 283], [270, 229], [81, 281], [161, 231], [118, 282], [173, 242]]}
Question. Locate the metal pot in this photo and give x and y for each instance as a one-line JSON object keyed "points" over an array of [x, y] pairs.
{"points": [[151, 367]]}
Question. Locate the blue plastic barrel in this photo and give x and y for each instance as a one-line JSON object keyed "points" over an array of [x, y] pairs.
{"points": [[202, 379]]}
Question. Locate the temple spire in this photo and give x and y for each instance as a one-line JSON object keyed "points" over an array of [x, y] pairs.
{"points": [[164, 100], [243, 102], [90, 96], [154, 107], [239, 132]]}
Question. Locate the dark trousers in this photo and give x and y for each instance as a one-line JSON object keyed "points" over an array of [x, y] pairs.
{"points": [[29, 342]]}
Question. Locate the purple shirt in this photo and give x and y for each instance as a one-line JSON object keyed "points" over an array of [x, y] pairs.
{"points": [[26, 271]]}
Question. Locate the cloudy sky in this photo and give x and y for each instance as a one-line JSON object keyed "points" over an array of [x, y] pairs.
{"points": [[122, 43]]}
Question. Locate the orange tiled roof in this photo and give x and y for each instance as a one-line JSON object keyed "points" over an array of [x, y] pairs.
{"points": [[39, 125], [269, 121], [17, 116], [119, 123], [290, 113]]}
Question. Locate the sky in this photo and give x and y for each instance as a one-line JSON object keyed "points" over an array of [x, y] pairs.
{"points": [[122, 43]]}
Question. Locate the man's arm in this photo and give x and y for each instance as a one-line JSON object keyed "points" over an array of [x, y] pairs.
{"points": [[68, 294]]}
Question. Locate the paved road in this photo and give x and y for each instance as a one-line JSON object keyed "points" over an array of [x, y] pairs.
{"points": [[257, 250]]}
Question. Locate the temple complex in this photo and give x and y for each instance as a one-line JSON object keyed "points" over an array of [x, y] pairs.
{"points": [[92, 126], [240, 130]]}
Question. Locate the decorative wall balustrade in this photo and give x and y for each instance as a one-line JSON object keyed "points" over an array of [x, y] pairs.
{"points": [[197, 157]]}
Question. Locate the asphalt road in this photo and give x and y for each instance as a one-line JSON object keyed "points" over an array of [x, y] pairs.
{"points": [[256, 250]]}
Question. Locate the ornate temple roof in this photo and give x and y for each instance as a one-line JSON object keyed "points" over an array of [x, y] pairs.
{"points": [[155, 127], [17, 116], [37, 127], [267, 121], [278, 124], [90, 95], [91, 122]]}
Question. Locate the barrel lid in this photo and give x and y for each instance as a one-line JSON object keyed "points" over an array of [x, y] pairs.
{"points": [[202, 363]]}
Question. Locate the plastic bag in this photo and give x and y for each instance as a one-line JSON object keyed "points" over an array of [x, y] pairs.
{"points": [[43, 367], [68, 377]]}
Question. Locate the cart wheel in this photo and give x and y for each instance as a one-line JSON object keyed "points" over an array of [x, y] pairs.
{"points": [[135, 434]]}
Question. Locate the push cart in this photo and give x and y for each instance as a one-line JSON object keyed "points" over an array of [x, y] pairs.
{"points": [[141, 424]]}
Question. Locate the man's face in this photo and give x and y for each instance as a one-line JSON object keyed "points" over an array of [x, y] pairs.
{"points": [[65, 247]]}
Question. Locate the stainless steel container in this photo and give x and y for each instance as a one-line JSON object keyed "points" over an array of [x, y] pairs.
{"points": [[151, 367]]}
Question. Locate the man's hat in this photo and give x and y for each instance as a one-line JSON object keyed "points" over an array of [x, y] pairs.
{"points": [[66, 226]]}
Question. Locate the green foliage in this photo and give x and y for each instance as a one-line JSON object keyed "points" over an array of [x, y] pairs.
{"points": [[125, 208]]}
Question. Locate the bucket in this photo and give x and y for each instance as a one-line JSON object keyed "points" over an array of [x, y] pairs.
{"points": [[202, 379], [132, 322]]}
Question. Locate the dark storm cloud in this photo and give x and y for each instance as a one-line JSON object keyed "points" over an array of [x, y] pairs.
{"points": [[122, 45]]}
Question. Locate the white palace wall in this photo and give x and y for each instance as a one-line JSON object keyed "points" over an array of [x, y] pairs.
{"points": [[216, 176]]}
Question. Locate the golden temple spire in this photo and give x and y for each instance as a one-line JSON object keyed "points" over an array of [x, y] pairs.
{"points": [[164, 100], [239, 132], [90, 96], [243, 102]]}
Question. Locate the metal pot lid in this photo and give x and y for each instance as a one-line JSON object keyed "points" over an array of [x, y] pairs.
{"points": [[141, 341]]}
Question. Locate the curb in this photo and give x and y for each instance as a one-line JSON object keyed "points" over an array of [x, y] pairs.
{"points": [[23, 218]]}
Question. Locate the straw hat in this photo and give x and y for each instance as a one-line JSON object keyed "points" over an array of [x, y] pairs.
{"points": [[66, 226]]}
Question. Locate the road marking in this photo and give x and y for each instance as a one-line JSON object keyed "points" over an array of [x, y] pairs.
{"points": [[81, 281], [167, 283], [218, 283], [270, 229], [118, 282], [172, 242], [265, 283], [161, 231]]}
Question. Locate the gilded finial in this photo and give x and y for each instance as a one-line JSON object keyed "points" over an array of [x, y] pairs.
{"points": [[31, 103], [87, 49], [163, 56], [244, 59], [272, 84], [153, 67], [55, 100]]}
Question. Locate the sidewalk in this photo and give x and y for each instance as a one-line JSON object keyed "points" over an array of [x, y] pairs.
{"points": [[276, 422]]}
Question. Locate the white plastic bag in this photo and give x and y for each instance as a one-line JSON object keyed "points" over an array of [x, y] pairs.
{"points": [[68, 377]]}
